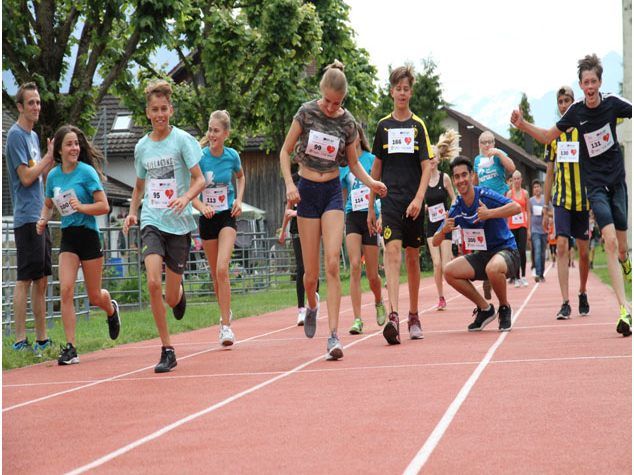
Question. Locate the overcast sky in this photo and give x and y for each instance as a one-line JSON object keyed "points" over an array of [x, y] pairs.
{"points": [[483, 47]]}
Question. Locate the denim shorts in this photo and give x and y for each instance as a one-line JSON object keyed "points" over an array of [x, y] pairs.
{"points": [[318, 197], [609, 205]]}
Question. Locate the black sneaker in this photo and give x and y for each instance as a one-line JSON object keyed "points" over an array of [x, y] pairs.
{"points": [[482, 319], [564, 311], [505, 317], [114, 322], [179, 308], [168, 360], [68, 355], [486, 287], [391, 330], [584, 306]]}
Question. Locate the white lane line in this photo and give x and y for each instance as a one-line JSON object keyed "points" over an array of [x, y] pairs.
{"points": [[154, 435], [421, 457]]}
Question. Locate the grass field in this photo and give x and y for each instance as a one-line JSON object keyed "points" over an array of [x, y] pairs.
{"points": [[92, 333], [601, 270]]}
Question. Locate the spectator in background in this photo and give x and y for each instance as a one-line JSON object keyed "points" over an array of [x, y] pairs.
{"points": [[538, 231]]}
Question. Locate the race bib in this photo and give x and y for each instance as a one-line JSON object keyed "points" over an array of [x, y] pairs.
{"points": [[161, 192], [400, 141], [360, 198], [599, 141], [474, 239], [456, 236], [217, 197], [62, 202], [568, 152], [322, 145], [537, 210], [517, 218], [436, 212]]}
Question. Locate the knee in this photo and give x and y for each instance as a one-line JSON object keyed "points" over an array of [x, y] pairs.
{"points": [[611, 244], [67, 291], [222, 272], [154, 286], [562, 250], [94, 297], [332, 267], [355, 266], [493, 269]]}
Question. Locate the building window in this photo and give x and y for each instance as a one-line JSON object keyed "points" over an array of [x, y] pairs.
{"points": [[122, 122]]}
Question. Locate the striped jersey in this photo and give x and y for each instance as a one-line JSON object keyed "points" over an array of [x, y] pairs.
{"points": [[569, 191]]}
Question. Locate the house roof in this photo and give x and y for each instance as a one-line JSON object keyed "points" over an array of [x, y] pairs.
{"points": [[110, 142], [117, 190], [530, 160]]}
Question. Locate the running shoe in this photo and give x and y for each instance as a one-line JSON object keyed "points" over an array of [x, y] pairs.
{"points": [[179, 308], [564, 311], [40, 348], [486, 287], [167, 362], [22, 345], [357, 327], [482, 318], [624, 325], [584, 306], [310, 320], [505, 318], [626, 267], [442, 304], [414, 327], [114, 322], [517, 283], [68, 355], [380, 313], [391, 330], [524, 282], [335, 350], [301, 315], [226, 336]]}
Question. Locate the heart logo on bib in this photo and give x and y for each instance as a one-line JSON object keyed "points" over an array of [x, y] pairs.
{"points": [[408, 140], [330, 148], [606, 137], [480, 239], [573, 151], [169, 192], [221, 198], [367, 197]]}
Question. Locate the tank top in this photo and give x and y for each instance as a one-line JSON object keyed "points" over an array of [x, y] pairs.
{"points": [[437, 194], [520, 220]]}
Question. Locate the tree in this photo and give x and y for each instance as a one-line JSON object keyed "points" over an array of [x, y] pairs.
{"points": [[426, 102], [522, 139], [99, 39]]}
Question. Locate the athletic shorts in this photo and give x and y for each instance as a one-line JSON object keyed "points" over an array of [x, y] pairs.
{"points": [[431, 228], [396, 226], [210, 228], [480, 259], [357, 223], [572, 223], [33, 252], [318, 197], [82, 241], [609, 205], [174, 248]]}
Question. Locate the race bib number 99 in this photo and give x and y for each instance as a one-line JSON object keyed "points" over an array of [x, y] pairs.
{"points": [[400, 141], [322, 145], [599, 141], [161, 192]]}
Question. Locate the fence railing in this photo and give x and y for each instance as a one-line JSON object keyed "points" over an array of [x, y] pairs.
{"points": [[259, 263]]}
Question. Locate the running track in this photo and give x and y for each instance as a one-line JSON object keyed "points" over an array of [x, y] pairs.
{"points": [[548, 397]]}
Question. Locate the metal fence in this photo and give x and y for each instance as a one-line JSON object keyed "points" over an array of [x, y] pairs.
{"points": [[258, 263]]}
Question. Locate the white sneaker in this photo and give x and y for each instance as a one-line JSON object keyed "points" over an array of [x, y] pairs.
{"points": [[516, 283], [300, 316], [524, 282], [226, 335]]}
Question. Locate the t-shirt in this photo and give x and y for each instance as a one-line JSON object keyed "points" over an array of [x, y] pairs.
{"points": [[601, 158], [23, 148], [218, 173], [497, 233], [164, 166], [401, 146], [355, 187], [83, 181], [491, 173], [323, 140], [537, 213], [569, 190]]}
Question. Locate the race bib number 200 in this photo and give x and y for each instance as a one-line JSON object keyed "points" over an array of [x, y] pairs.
{"points": [[62, 202], [474, 239]]}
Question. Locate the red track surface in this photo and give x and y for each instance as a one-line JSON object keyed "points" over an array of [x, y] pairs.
{"points": [[548, 397]]}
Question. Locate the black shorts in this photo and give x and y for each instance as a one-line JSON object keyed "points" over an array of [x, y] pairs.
{"points": [[572, 224], [81, 241], [34, 252], [396, 226], [431, 228], [480, 259], [210, 228], [609, 205], [174, 248], [318, 197], [357, 223]]}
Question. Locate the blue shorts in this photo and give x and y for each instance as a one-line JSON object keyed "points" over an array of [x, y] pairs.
{"points": [[318, 197], [609, 205], [572, 224]]}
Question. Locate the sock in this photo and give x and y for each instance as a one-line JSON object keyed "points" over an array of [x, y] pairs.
{"points": [[42, 342]]}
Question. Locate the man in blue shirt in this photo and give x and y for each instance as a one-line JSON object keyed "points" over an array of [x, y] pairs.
{"points": [[480, 214], [27, 169]]}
